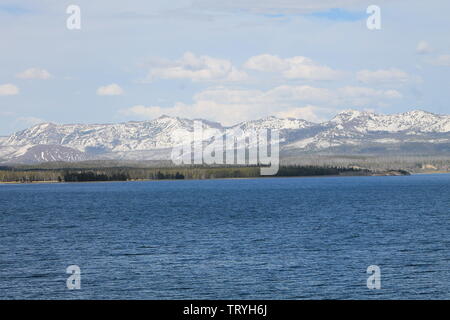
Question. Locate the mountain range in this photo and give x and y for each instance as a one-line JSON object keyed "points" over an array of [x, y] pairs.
{"points": [[349, 132]]}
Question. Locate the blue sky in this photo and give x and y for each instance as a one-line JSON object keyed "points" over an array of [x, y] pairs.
{"points": [[223, 61]]}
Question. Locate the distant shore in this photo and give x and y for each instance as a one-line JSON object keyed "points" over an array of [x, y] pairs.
{"points": [[249, 178], [51, 176]]}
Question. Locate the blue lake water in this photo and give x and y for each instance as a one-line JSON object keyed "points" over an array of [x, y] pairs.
{"points": [[274, 238]]}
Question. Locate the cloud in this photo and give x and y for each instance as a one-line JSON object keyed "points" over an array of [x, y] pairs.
{"points": [[267, 63], [8, 90], [388, 76], [423, 47], [291, 68], [278, 6], [440, 61], [230, 106], [34, 73], [110, 90], [197, 68], [205, 68], [344, 96]]}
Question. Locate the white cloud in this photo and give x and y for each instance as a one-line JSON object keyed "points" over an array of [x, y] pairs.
{"points": [[388, 76], [197, 68], [110, 90], [441, 61], [8, 90], [230, 106], [34, 73], [267, 63], [291, 68], [345, 96], [423, 47]]}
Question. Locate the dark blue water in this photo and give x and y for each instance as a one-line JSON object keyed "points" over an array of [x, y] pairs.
{"points": [[293, 238]]}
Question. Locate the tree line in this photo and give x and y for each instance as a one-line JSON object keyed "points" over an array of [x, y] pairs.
{"points": [[11, 174]]}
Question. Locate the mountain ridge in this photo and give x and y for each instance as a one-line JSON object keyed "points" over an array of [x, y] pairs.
{"points": [[141, 140]]}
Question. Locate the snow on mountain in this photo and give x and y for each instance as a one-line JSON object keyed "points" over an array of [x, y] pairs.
{"points": [[163, 132], [46, 153], [283, 126], [351, 127], [143, 140], [417, 121], [275, 123]]}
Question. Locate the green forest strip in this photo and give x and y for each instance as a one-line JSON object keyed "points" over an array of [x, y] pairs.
{"points": [[29, 175]]}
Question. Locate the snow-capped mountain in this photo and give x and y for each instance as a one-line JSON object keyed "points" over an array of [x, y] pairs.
{"points": [[163, 132], [414, 121], [45, 153], [352, 128], [275, 124], [349, 131]]}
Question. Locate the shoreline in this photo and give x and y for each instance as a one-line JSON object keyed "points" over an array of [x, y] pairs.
{"points": [[238, 178]]}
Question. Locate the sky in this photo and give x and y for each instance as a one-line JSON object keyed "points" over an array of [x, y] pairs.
{"points": [[225, 61]]}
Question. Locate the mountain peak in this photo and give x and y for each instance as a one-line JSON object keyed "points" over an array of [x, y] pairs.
{"points": [[419, 112], [45, 124], [354, 112], [349, 115], [142, 140], [166, 117]]}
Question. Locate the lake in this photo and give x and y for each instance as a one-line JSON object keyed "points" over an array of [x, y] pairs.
{"points": [[268, 238]]}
